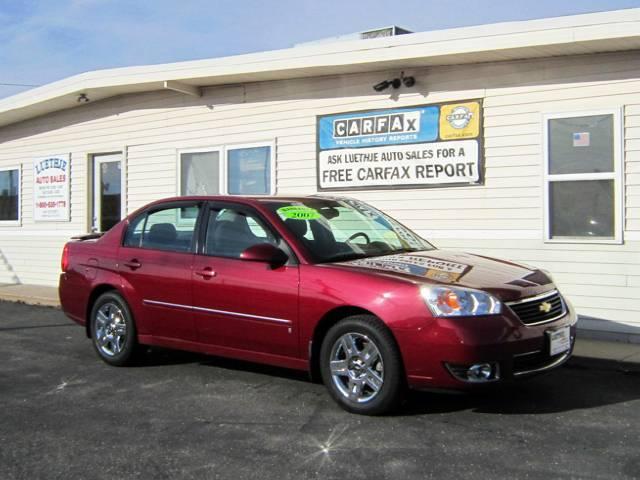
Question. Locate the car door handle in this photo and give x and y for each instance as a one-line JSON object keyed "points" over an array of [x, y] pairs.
{"points": [[133, 264], [206, 273]]}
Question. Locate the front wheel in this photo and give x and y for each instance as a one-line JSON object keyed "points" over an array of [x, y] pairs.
{"points": [[113, 331], [361, 366]]}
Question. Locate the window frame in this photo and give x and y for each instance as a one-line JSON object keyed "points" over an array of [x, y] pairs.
{"points": [[18, 221], [223, 183], [617, 176], [144, 214]]}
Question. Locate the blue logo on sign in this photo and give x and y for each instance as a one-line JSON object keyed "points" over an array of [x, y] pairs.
{"points": [[380, 127], [43, 165]]}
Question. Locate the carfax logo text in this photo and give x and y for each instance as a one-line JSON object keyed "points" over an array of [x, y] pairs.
{"points": [[407, 122]]}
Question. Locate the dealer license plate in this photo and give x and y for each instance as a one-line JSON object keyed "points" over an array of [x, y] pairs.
{"points": [[559, 340]]}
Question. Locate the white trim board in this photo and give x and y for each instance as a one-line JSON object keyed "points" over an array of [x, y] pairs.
{"points": [[570, 35]]}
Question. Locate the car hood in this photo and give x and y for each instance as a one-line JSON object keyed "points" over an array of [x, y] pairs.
{"points": [[504, 279]]}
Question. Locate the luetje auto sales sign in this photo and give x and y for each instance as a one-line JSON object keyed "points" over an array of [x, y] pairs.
{"points": [[410, 147], [51, 189]]}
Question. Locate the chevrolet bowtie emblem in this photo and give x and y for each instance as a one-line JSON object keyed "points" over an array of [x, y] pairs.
{"points": [[545, 307]]}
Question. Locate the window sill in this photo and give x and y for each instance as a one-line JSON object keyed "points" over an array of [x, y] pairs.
{"points": [[585, 241], [10, 223], [250, 194]]}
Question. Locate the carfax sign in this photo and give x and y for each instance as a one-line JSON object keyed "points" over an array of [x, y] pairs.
{"points": [[410, 147], [51, 189]]}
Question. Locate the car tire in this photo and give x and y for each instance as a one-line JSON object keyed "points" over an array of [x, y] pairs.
{"points": [[361, 366], [113, 331]]}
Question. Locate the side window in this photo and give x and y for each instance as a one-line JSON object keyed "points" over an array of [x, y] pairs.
{"points": [[170, 229], [230, 232], [134, 231]]}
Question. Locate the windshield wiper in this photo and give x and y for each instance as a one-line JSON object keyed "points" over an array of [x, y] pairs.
{"points": [[344, 257], [404, 250]]}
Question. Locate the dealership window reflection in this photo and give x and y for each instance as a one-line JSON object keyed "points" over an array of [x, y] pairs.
{"points": [[9, 195], [249, 171], [582, 209], [581, 177]]}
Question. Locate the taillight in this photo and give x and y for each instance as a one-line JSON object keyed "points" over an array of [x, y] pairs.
{"points": [[64, 262]]}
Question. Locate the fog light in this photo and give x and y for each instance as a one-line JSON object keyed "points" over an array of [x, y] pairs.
{"points": [[480, 372], [476, 373]]}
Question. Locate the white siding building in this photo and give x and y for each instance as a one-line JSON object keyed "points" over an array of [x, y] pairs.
{"points": [[249, 122]]}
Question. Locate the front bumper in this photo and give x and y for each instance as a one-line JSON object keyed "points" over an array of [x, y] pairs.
{"points": [[443, 347]]}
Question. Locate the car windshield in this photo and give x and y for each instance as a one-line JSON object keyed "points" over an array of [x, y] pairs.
{"points": [[335, 230]]}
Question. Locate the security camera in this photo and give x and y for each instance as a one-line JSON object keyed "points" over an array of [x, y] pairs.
{"points": [[408, 81], [379, 87], [395, 83]]}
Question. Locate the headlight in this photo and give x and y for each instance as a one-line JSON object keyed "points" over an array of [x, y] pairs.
{"points": [[446, 301]]}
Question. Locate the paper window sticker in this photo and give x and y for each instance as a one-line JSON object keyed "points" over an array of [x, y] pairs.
{"points": [[299, 212], [581, 139]]}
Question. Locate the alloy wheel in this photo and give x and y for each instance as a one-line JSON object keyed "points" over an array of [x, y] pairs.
{"points": [[356, 367], [110, 329]]}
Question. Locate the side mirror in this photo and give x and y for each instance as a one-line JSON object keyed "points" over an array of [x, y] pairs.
{"points": [[266, 253]]}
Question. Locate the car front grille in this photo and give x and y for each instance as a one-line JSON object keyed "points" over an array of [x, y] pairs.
{"points": [[539, 309]]}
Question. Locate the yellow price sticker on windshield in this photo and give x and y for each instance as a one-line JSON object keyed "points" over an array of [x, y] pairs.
{"points": [[390, 235]]}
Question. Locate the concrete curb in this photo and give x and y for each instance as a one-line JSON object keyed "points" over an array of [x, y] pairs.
{"points": [[590, 351], [35, 301], [30, 295]]}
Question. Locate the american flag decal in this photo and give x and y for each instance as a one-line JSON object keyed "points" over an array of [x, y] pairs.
{"points": [[581, 139]]}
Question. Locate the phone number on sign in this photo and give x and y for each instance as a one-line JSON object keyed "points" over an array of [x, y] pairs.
{"points": [[58, 204]]}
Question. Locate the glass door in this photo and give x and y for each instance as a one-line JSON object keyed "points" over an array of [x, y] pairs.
{"points": [[107, 191]]}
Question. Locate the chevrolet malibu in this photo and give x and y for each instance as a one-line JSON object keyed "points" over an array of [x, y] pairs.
{"points": [[328, 285]]}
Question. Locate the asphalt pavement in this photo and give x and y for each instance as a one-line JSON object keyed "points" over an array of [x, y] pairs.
{"points": [[65, 414]]}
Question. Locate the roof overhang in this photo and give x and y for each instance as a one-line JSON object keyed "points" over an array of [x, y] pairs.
{"points": [[572, 35]]}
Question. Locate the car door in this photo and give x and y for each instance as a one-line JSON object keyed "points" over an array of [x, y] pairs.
{"points": [[243, 304], [156, 261]]}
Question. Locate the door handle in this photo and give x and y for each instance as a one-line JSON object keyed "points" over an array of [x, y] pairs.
{"points": [[133, 264], [206, 273]]}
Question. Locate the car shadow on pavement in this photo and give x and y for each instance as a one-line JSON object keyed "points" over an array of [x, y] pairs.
{"points": [[158, 357], [155, 356], [571, 387], [258, 368]]}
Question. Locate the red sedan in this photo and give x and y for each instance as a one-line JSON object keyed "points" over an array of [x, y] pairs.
{"points": [[328, 285]]}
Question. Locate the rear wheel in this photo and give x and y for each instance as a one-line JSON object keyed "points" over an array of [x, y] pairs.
{"points": [[361, 366], [113, 331]]}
